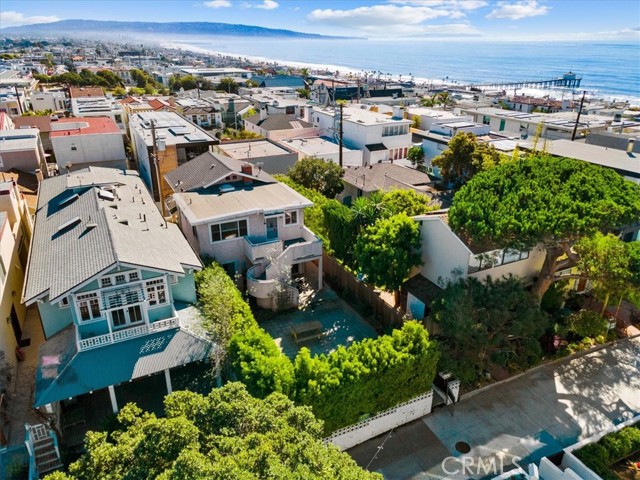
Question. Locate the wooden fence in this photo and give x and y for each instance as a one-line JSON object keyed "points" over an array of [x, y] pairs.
{"points": [[387, 316], [340, 278]]}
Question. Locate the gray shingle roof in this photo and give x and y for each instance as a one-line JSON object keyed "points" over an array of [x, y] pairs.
{"points": [[127, 229], [205, 169], [278, 121], [383, 176]]}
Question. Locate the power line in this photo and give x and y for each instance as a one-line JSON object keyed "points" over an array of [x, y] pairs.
{"points": [[375, 455]]}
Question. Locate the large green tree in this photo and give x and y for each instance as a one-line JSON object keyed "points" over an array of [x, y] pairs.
{"points": [[464, 157], [416, 157], [544, 202], [318, 174], [605, 260], [387, 251], [497, 322], [226, 435], [228, 85]]}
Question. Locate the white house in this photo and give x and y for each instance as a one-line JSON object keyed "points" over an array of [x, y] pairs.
{"points": [[249, 223], [446, 257], [381, 138], [80, 142], [56, 101], [554, 125]]}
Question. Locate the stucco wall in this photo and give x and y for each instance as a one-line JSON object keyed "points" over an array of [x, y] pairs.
{"points": [[442, 252], [90, 149]]}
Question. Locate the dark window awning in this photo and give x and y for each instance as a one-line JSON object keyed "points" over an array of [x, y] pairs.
{"points": [[376, 147]]}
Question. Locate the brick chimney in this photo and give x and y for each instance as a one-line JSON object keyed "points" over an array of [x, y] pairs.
{"points": [[247, 169]]}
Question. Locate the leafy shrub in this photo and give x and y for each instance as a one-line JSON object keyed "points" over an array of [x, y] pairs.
{"points": [[313, 216], [611, 448], [587, 323], [220, 300], [257, 360]]}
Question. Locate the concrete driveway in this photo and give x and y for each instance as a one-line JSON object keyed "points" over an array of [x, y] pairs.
{"points": [[515, 422]]}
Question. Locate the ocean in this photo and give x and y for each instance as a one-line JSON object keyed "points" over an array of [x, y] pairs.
{"points": [[609, 70]]}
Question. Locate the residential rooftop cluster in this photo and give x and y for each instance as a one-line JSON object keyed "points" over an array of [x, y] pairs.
{"points": [[113, 198]]}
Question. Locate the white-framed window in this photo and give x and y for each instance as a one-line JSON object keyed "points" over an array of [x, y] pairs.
{"points": [[119, 278], [88, 306], [64, 303], [156, 292], [291, 218], [173, 278], [229, 230]]}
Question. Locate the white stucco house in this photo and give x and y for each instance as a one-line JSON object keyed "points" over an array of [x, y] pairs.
{"points": [[446, 257], [248, 222], [382, 138]]}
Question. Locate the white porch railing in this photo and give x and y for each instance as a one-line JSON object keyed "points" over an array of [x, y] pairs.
{"points": [[164, 324], [126, 334]]}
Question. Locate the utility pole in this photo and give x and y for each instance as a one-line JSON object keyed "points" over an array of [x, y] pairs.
{"points": [[18, 99], [340, 133], [157, 166], [575, 128]]}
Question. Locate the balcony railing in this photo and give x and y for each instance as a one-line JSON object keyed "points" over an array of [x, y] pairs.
{"points": [[121, 297], [258, 248], [128, 333]]}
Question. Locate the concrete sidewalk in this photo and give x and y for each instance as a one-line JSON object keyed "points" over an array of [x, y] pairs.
{"points": [[518, 421]]}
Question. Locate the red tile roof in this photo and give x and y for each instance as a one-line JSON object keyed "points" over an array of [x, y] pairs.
{"points": [[157, 104], [83, 92], [94, 125]]}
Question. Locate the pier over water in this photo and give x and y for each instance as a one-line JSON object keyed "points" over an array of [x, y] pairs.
{"points": [[568, 80]]}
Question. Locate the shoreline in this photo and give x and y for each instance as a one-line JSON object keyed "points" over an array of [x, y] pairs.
{"points": [[342, 70]]}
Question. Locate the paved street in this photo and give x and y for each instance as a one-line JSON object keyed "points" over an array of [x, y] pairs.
{"points": [[529, 417]]}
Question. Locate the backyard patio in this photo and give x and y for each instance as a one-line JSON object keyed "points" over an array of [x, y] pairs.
{"points": [[325, 322]]}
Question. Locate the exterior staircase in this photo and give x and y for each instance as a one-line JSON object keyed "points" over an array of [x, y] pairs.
{"points": [[44, 454]]}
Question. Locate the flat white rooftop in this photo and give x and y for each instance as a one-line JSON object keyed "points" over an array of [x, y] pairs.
{"points": [[267, 198], [170, 127], [365, 116], [316, 146], [606, 157], [18, 140], [246, 150]]}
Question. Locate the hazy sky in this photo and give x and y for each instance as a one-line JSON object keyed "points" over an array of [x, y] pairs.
{"points": [[491, 19]]}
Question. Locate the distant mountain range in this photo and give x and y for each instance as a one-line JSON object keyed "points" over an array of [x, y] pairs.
{"points": [[72, 28]]}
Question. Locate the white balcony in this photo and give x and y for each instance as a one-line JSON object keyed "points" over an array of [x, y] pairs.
{"points": [[302, 248], [258, 249], [127, 333]]}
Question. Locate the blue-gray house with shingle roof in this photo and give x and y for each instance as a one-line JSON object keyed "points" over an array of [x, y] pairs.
{"points": [[113, 283]]}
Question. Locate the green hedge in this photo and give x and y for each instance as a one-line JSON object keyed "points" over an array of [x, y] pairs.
{"points": [[367, 377], [612, 448], [341, 229], [257, 360], [220, 300]]}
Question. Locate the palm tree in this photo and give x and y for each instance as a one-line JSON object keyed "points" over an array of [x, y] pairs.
{"points": [[445, 99], [429, 101]]}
